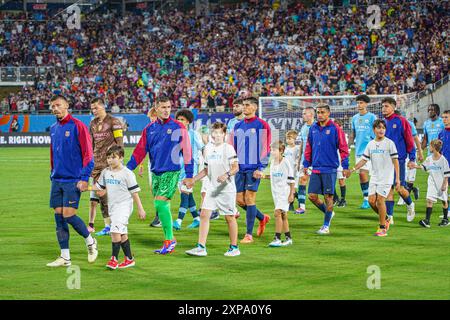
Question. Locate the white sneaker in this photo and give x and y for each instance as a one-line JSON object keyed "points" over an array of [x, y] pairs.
{"points": [[232, 252], [391, 220], [401, 202], [197, 251], [411, 213], [59, 262], [92, 251], [287, 242], [324, 230], [275, 243]]}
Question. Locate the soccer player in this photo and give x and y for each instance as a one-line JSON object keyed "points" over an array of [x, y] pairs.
{"points": [[238, 108], [165, 140], [71, 162], [106, 131], [308, 120], [399, 131], [383, 157], [221, 165], [432, 126], [282, 182], [341, 203], [325, 140], [121, 186], [186, 117], [251, 140], [360, 135], [438, 172]]}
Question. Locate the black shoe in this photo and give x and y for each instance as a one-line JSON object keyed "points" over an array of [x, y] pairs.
{"points": [[336, 202], [424, 223], [156, 223], [214, 215], [415, 191], [342, 203], [444, 223]]}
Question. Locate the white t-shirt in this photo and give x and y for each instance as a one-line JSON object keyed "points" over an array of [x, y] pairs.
{"points": [[281, 175], [119, 185], [437, 170], [291, 154], [218, 160], [380, 154]]}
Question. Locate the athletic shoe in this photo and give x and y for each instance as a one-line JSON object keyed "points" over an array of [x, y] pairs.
{"points": [[401, 202], [336, 202], [275, 243], [247, 239], [112, 264], [300, 211], [156, 223], [215, 215], [104, 232], [287, 242], [365, 205], [262, 225], [391, 220], [342, 203], [197, 251], [127, 263], [194, 224], [381, 233], [415, 191], [443, 223], [232, 252], [92, 251], [90, 229], [424, 223], [411, 213], [168, 247], [59, 262], [324, 230], [176, 225]]}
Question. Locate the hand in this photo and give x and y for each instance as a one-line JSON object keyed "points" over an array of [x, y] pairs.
{"points": [[141, 213], [141, 170], [101, 193], [411, 165], [305, 171], [291, 198], [222, 178], [420, 157], [397, 186], [346, 173], [444, 188], [189, 182], [258, 174], [82, 186]]}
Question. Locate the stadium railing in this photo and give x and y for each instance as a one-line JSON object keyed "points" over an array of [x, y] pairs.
{"points": [[22, 75]]}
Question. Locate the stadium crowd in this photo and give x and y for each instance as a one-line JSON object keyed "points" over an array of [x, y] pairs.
{"points": [[206, 62]]}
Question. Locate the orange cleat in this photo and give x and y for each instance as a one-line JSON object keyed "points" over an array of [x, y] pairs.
{"points": [[262, 225], [247, 239]]}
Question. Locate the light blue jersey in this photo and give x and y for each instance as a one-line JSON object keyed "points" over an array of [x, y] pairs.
{"points": [[362, 131], [413, 128], [431, 129], [197, 146], [303, 137], [231, 123]]}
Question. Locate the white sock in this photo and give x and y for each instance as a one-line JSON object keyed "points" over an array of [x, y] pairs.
{"points": [[179, 221], [197, 218], [89, 240], [366, 198], [302, 206], [65, 254]]}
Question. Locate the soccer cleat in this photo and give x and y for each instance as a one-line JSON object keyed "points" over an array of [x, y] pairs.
{"points": [[214, 215], [247, 239], [59, 262], [300, 211], [391, 220], [411, 213], [365, 205], [176, 225], [387, 224], [275, 243], [112, 264], [197, 251], [156, 223], [104, 232], [127, 263], [381, 233], [401, 202], [287, 242], [336, 202], [90, 229], [262, 225], [324, 230], [167, 248], [342, 203], [415, 191], [232, 252], [443, 223], [194, 224], [92, 251], [424, 223]]}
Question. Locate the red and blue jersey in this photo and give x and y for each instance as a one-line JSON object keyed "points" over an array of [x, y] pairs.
{"points": [[165, 142], [444, 136], [71, 154], [399, 130], [322, 147], [251, 139]]}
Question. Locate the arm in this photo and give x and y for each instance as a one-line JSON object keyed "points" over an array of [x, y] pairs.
{"points": [[137, 201], [233, 170], [343, 150], [418, 148], [307, 161], [186, 150], [139, 151], [117, 131], [84, 140], [409, 140], [397, 174], [359, 165], [266, 141], [425, 139]]}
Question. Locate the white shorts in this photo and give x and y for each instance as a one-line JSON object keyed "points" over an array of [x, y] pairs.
{"points": [[120, 214], [364, 167], [206, 185], [281, 201], [380, 189], [434, 195], [224, 202], [93, 196]]}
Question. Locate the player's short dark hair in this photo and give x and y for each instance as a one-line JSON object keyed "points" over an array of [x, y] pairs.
{"points": [[186, 113], [252, 100], [379, 122], [161, 99], [323, 106], [436, 144], [389, 100], [237, 101], [363, 97], [116, 150], [291, 133], [436, 107], [100, 101], [59, 96], [446, 112], [278, 145], [218, 126]]}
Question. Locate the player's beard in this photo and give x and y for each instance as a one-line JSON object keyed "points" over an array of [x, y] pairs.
{"points": [[237, 114]]}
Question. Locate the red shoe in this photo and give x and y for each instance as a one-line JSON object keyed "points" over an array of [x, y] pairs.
{"points": [[127, 263], [262, 225], [112, 264]]}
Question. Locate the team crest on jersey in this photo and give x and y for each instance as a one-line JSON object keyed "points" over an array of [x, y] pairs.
{"points": [[327, 132], [67, 133], [169, 131], [360, 121], [394, 126], [432, 126], [253, 130]]}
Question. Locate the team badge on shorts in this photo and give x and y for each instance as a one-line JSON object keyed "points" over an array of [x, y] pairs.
{"points": [[67, 133], [169, 131]]}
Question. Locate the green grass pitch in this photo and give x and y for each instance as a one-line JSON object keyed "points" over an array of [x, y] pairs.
{"points": [[414, 262]]}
